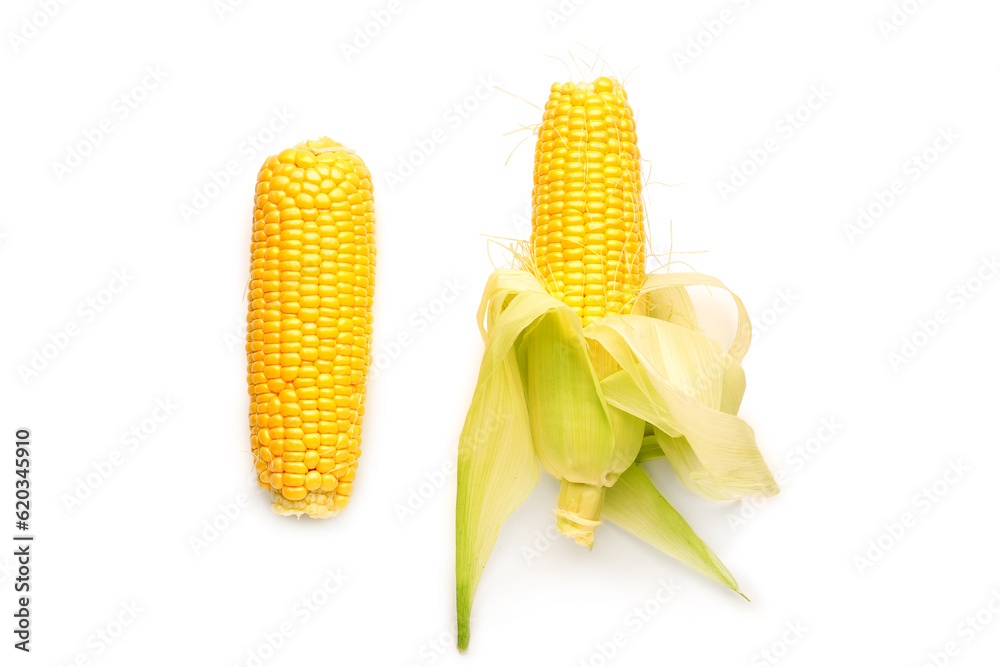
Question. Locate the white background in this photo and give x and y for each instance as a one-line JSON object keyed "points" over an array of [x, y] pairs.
{"points": [[173, 331]]}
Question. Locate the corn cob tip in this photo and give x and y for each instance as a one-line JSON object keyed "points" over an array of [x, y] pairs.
{"points": [[324, 145]]}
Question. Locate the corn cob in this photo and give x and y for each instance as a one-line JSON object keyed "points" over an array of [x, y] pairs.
{"points": [[587, 216], [590, 362], [588, 241], [309, 324]]}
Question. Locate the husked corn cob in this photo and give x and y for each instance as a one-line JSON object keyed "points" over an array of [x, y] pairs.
{"points": [[587, 218], [309, 324]]}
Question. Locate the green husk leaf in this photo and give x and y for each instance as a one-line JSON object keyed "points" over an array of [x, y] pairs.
{"points": [[662, 288], [678, 451], [497, 470], [665, 300], [591, 443], [570, 426], [660, 383], [636, 505], [689, 361], [497, 467], [628, 428], [734, 384], [689, 469], [579, 444], [649, 450], [620, 389], [569, 418], [670, 304]]}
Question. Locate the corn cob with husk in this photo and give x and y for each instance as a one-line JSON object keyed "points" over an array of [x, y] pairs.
{"points": [[309, 324], [593, 366]]}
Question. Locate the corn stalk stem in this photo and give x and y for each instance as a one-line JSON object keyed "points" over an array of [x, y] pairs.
{"points": [[578, 511]]}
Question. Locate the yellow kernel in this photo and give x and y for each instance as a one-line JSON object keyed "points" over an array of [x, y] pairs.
{"points": [[289, 479], [296, 468], [311, 459], [313, 480]]}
